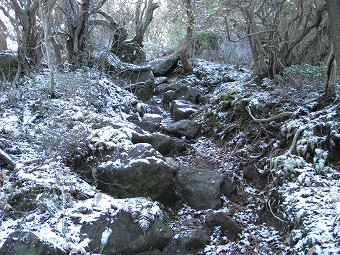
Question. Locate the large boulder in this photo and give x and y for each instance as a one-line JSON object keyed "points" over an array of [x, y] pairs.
{"points": [[130, 52], [187, 128], [181, 109], [19, 243], [166, 145], [188, 93], [139, 171], [200, 188], [8, 66], [164, 66], [122, 235]]}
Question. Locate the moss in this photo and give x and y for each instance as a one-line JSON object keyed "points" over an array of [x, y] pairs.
{"points": [[130, 53]]}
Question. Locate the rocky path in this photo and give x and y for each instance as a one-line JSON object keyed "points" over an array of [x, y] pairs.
{"points": [[189, 172]]}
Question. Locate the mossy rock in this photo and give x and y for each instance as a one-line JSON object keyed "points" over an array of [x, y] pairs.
{"points": [[130, 52], [19, 243], [8, 66]]}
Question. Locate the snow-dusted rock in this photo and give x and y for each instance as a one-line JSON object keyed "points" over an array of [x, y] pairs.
{"points": [[228, 226], [166, 145], [182, 109], [137, 171], [181, 128], [122, 235], [188, 241], [164, 66], [27, 243], [188, 93], [200, 188]]}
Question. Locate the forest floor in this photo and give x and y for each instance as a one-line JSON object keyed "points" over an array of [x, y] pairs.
{"points": [[289, 204]]}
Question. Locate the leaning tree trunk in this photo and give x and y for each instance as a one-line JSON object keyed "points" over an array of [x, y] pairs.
{"points": [[333, 67]]}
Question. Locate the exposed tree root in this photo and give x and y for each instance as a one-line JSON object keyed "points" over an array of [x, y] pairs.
{"points": [[5, 157], [293, 145], [278, 116]]}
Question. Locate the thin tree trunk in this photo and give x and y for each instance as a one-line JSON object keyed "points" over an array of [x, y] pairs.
{"points": [[45, 13], [184, 46]]}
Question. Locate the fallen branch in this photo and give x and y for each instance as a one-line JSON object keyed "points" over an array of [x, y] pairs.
{"points": [[278, 116], [5, 157]]}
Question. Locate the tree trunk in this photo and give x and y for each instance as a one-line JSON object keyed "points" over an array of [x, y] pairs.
{"points": [[3, 43], [143, 19], [184, 45], [333, 9], [28, 51], [77, 25], [333, 63], [46, 7]]}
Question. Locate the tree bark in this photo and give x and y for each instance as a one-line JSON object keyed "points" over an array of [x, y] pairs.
{"points": [[77, 25], [333, 9], [46, 7], [3, 29], [333, 63], [29, 53], [184, 45]]}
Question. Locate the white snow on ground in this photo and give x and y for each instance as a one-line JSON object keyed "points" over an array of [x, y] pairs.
{"points": [[69, 124]]}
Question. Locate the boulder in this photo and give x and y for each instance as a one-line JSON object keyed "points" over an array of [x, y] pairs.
{"points": [[160, 80], [188, 93], [187, 128], [229, 227], [127, 65], [146, 125], [164, 66], [139, 171], [19, 243], [166, 145], [149, 122], [181, 109], [188, 241], [122, 235], [168, 96], [8, 66], [130, 52], [200, 188]]}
